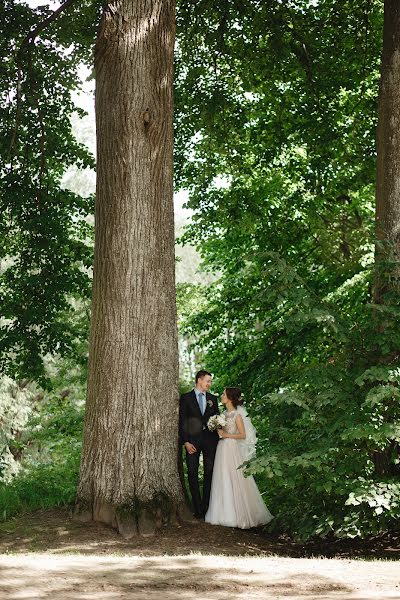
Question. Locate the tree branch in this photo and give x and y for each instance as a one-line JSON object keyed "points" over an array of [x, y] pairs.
{"points": [[18, 59], [36, 30]]}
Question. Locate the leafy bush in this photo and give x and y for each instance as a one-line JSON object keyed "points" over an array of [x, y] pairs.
{"points": [[51, 454], [42, 486], [15, 409]]}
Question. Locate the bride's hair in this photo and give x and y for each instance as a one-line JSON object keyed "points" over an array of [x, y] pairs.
{"points": [[235, 395]]}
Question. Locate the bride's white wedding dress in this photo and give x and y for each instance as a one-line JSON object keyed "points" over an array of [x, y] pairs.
{"points": [[235, 500]]}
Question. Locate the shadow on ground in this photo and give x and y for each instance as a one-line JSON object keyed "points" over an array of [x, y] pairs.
{"points": [[47, 555], [70, 577], [55, 531]]}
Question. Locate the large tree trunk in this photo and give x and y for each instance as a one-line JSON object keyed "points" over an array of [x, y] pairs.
{"points": [[388, 160], [129, 473], [387, 252]]}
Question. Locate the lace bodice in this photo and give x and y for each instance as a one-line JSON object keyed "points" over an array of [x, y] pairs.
{"points": [[230, 426]]}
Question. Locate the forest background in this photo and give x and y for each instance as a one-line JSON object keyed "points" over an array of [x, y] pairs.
{"points": [[276, 109]]}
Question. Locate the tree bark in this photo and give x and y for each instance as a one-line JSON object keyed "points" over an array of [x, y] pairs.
{"points": [[128, 475], [387, 251], [388, 158]]}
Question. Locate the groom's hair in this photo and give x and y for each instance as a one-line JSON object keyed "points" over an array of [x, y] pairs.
{"points": [[235, 395], [201, 374]]}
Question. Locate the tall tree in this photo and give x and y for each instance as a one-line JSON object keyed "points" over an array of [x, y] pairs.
{"points": [[388, 149], [128, 471], [387, 250]]}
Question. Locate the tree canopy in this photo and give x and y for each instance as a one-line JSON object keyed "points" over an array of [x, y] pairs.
{"points": [[46, 248]]}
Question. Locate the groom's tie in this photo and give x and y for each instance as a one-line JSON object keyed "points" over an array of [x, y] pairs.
{"points": [[201, 403]]}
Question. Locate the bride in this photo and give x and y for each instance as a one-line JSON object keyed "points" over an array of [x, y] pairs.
{"points": [[235, 500]]}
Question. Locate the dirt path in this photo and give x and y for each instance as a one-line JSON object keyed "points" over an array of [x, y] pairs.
{"points": [[77, 577], [49, 556]]}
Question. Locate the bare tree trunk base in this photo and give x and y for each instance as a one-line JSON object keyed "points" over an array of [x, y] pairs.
{"points": [[132, 520], [185, 516], [104, 512], [82, 512], [127, 525], [148, 523]]}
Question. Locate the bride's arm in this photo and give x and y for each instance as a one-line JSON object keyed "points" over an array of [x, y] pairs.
{"points": [[235, 436]]}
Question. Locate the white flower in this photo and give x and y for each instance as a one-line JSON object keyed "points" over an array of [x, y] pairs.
{"points": [[216, 422]]}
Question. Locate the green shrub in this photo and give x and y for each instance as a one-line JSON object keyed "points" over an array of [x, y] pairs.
{"points": [[41, 486], [49, 469]]}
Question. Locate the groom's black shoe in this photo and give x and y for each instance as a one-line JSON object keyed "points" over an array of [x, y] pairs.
{"points": [[199, 516]]}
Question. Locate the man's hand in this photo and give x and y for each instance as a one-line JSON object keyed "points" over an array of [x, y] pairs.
{"points": [[190, 448]]}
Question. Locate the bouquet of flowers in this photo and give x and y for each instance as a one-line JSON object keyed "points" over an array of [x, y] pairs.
{"points": [[216, 422]]}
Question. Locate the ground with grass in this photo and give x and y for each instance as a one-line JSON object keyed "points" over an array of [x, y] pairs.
{"points": [[48, 555]]}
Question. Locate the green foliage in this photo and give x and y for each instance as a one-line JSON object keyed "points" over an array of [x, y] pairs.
{"points": [[15, 409], [50, 447], [330, 432], [276, 110], [46, 254], [43, 486]]}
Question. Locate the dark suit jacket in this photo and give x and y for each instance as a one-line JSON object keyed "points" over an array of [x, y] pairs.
{"points": [[192, 422]]}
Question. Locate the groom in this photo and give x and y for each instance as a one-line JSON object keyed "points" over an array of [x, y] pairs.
{"points": [[195, 408]]}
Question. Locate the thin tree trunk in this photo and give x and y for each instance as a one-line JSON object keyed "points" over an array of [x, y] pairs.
{"points": [[387, 252], [388, 159], [129, 473]]}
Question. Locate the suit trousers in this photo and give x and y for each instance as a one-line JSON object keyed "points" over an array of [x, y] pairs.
{"points": [[200, 504]]}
